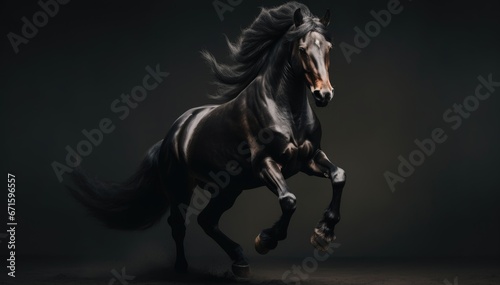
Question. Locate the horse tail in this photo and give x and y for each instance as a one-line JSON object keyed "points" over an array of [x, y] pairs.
{"points": [[136, 204]]}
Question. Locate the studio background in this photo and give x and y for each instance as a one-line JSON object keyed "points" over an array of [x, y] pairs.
{"points": [[393, 92]]}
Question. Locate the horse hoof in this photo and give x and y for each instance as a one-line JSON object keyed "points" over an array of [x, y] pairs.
{"points": [[320, 241], [259, 247], [264, 243], [241, 270]]}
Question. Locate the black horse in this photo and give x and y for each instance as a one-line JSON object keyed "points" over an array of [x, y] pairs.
{"points": [[264, 132]]}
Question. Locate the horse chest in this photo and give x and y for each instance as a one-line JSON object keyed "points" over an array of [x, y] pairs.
{"points": [[292, 154]]}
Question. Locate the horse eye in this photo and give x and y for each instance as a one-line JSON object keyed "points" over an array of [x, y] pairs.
{"points": [[301, 49]]}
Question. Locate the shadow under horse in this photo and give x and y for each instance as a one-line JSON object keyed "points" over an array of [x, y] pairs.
{"points": [[264, 132]]}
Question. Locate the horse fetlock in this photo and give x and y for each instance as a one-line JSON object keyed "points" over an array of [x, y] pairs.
{"points": [[237, 255], [339, 175], [330, 219], [288, 202]]}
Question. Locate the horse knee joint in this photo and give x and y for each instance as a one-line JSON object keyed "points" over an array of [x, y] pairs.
{"points": [[288, 202]]}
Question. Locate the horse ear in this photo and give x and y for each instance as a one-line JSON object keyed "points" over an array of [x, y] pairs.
{"points": [[326, 18], [298, 19]]}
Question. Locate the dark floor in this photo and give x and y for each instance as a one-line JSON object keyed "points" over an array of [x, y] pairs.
{"points": [[307, 271]]}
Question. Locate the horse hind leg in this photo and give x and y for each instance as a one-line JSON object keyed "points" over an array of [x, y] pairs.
{"points": [[180, 193], [209, 222]]}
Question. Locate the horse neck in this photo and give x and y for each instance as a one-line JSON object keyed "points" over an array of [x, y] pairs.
{"points": [[285, 86]]}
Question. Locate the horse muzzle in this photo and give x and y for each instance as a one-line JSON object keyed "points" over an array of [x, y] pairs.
{"points": [[322, 97]]}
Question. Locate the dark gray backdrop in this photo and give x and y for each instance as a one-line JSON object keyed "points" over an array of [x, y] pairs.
{"points": [[393, 92]]}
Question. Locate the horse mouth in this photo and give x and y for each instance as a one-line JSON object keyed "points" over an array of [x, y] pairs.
{"points": [[321, 103]]}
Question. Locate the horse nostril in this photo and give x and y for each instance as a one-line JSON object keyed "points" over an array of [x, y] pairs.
{"points": [[328, 96], [317, 94]]}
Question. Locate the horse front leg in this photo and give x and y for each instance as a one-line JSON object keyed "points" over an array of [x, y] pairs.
{"points": [[321, 166], [271, 175]]}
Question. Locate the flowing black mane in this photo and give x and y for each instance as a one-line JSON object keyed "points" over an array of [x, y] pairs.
{"points": [[250, 52]]}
